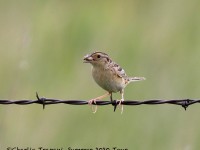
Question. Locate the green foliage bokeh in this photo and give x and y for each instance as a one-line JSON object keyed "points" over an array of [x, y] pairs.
{"points": [[42, 44]]}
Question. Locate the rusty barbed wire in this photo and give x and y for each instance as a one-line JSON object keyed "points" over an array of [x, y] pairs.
{"points": [[49, 101]]}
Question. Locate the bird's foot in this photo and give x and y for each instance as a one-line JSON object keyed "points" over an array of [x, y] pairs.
{"points": [[120, 104], [91, 102]]}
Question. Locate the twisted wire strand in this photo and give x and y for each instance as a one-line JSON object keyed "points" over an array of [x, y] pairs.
{"points": [[49, 101]]}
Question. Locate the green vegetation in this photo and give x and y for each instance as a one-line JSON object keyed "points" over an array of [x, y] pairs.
{"points": [[42, 44]]}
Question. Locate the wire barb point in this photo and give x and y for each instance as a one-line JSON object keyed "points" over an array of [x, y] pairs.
{"points": [[114, 103], [185, 104], [42, 100]]}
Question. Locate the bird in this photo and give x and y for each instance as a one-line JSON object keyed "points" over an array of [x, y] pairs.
{"points": [[109, 76]]}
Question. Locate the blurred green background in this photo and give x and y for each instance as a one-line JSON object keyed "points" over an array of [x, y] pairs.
{"points": [[42, 44]]}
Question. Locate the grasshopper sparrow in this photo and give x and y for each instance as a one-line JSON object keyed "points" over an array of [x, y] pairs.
{"points": [[108, 75]]}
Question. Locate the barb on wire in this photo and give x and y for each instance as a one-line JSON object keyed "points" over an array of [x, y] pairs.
{"points": [[49, 101]]}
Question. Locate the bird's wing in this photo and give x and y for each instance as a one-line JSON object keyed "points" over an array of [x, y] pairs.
{"points": [[118, 70]]}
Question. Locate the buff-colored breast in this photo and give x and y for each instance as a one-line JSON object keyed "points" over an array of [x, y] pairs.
{"points": [[107, 79]]}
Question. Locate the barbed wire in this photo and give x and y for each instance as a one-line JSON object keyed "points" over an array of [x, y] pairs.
{"points": [[49, 101]]}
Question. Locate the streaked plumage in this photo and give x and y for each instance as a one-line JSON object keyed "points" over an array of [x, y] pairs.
{"points": [[108, 74]]}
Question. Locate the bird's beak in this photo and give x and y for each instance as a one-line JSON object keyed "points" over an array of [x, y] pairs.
{"points": [[87, 59]]}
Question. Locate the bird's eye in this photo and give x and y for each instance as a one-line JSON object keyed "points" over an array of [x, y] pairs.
{"points": [[98, 56]]}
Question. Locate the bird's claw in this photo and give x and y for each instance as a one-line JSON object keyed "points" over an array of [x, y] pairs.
{"points": [[91, 102], [120, 104]]}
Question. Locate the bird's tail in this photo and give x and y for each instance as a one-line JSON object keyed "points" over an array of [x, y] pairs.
{"points": [[133, 79]]}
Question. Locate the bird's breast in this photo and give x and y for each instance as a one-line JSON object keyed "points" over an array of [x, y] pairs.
{"points": [[107, 79]]}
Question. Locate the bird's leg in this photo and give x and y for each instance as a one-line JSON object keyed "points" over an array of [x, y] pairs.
{"points": [[90, 102], [111, 99], [98, 98], [120, 101]]}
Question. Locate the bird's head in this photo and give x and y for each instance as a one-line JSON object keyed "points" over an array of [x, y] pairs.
{"points": [[97, 58]]}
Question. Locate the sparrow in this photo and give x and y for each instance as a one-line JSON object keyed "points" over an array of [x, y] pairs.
{"points": [[109, 76]]}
